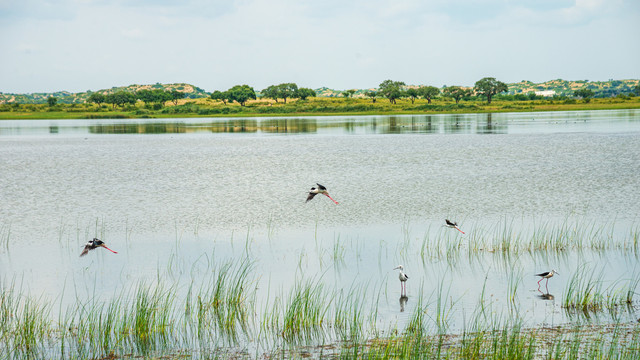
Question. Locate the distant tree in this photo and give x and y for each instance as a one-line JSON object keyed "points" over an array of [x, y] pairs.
{"points": [[392, 90], [287, 90], [97, 98], [156, 96], [585, 94], [52, 101], [371, 94], [241, 93], [429, 92], [220, 95], [490, 86], [412, 94], [176, 95], [271, 92], [348, 93], [145, 96], [456, 92], [636, 89], [304, 93], [120, 98]]}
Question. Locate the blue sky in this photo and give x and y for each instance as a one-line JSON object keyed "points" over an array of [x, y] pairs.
{"points": [[79, 45]]}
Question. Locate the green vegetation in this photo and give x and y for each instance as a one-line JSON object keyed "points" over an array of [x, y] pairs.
{"points": [[126, 107], [489, 87], [183, 100], [217, 313]]}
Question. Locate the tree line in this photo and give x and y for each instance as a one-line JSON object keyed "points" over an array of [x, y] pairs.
{"points": [[392, 90], [121, 98], [487, 88], [242, 93]]}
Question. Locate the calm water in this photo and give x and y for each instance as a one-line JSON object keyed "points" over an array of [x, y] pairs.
{"points": [[173, 195]]}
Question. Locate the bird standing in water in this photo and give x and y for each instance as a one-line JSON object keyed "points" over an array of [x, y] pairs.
{"points": [[403, 279], [453, 225], [319, 190], [546, 275], [94, 244]]}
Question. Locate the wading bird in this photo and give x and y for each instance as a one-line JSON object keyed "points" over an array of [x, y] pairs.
{"points": [[403, 279], [546, 275], [319, 190], [452, 224], [94, 244]]}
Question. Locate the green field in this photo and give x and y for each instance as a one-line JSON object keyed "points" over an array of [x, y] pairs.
{"points": [[206, 107]]}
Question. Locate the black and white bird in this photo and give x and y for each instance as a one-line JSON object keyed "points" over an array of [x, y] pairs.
{"points": [[94, 244], [403, 279], [319, 190], [546, 275], [453, 225]]}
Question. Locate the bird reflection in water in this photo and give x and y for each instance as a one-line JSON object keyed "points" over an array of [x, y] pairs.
{"points": [[403, 302], [545, 296]]}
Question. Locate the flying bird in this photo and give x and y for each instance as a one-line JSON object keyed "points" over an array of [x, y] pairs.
{"points": [[94, 244], [546, 275], [319, 190], [403, 279], [453, 225]]}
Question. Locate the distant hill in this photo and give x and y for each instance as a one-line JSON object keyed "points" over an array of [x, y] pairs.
{"points": [[566, 87], [65, 97], [547, 88]]}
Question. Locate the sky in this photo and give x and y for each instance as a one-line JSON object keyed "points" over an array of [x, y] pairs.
{"points": [[80, 45]]}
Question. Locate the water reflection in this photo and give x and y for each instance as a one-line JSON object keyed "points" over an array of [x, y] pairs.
{"points": [[403, 301], [546, 296], [489, 123]]}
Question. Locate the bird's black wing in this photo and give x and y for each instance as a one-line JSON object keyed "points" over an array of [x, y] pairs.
{"points": [[321, 187], [450, 223], [311, 195], [543, 274], [85, 251]]}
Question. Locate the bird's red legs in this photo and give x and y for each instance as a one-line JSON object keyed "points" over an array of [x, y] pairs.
{"points": [[115, 252], [331, 198], [459, 229]]}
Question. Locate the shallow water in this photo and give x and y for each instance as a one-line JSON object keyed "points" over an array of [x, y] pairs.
{"points": [[175, 196]]}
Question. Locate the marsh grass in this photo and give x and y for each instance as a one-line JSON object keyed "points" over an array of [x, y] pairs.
{"points": [[304, 312], [217, 313], [506, 237], [224, 303], [585, 292]]}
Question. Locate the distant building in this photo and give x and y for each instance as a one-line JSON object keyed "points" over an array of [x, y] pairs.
{"points": [[546, 93]]}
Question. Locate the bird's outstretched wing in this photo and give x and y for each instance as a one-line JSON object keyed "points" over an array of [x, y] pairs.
{"points": [[85, 251], [450, 223], [311, 195], [321, 187]]}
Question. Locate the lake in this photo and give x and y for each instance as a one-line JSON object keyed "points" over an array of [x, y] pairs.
{"points": [[179, 199]]}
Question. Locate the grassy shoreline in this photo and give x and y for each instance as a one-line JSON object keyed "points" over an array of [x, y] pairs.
{"points": [[312, 107], [217, 313]]}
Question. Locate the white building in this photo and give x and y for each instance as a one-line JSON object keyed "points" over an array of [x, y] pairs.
{"points": [[546, 93]]}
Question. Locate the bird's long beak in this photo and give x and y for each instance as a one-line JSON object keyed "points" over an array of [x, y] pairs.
{"points": [[104, 246]]}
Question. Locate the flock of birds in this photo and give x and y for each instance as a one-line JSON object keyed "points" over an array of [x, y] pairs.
{"points": [[96, 243]]}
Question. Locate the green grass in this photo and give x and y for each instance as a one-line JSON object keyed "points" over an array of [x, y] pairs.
{"points": [[313, 106], [218, 314], [585, 292]]}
